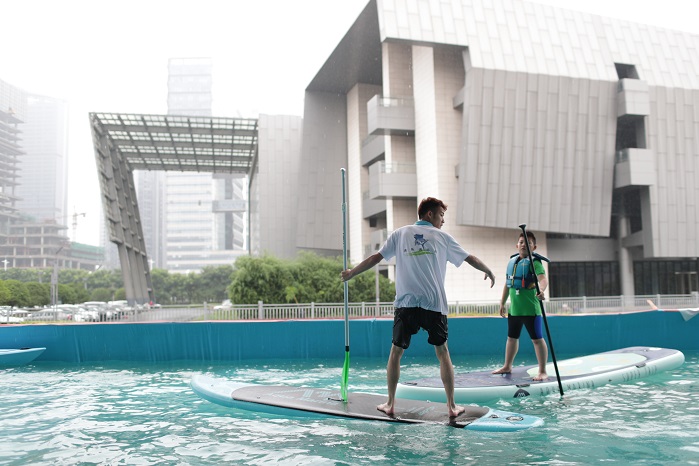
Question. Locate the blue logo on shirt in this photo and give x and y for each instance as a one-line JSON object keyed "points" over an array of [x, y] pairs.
{"points": [[420, 241]]}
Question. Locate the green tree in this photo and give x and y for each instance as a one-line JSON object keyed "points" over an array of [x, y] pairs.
{"points": [[177, 288], [307, 278], [101, 294], [161, 285], [4, 293], [259, 279], [22, 275], [66, 294], [120, 294], [103, 278], [18, 295], [39, 294], [214, 282]]}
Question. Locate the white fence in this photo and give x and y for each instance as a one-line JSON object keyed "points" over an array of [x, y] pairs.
{"points": [[555, 306]]}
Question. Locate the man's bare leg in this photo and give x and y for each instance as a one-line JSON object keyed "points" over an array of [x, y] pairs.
{"points": [[542, 355], [392, 376], [446, 371], [511, 348]]}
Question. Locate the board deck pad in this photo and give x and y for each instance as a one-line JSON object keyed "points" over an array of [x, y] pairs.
{"points": [[583, 372], [307, 401], [359, 405]]}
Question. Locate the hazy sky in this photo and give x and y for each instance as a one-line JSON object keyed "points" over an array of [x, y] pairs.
{"points": [[112, 56]]}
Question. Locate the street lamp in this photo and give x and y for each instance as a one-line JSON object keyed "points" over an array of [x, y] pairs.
{"points": [[54, 283]]}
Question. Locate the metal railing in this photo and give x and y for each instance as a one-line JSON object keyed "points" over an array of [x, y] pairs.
{"points": [[309, 311]]}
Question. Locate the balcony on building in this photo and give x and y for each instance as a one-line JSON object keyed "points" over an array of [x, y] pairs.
{"points": [[373, 149], [391, 115], [389, 180], [229, 205], [372, 207], [458, 100], [634, 167], [377, 238], [632, 98]]}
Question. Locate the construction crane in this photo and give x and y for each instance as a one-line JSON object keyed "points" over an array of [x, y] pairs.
{"points": [[75, 224]]}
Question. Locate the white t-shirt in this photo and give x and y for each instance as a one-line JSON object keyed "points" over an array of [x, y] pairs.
{"points": [[422, 252]]}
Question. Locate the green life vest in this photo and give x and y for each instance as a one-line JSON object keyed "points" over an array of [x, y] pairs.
{"points": [[520, 271]]}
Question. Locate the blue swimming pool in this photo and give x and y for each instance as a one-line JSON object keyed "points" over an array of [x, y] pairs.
{"points": [[301, 339], [119, 394], [145, 413]]}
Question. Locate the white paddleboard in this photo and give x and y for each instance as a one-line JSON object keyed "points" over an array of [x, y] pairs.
{"points": [[622, 365], [314, 402]]}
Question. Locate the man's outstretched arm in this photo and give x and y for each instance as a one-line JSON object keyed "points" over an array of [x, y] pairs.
{"points": [[363, 266], [476, 263]]}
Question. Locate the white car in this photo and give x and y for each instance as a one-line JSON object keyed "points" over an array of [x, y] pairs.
{"points": [[225, 305]]}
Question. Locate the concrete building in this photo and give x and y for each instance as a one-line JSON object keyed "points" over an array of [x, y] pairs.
{"points": [[585, 128], [274, 195], [205, 214], [33, 179], [43, 176]]}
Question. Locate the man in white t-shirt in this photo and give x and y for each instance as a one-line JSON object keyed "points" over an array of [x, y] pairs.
{"points": [[422, 251]]}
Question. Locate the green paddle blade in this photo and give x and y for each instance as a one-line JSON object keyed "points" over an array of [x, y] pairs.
{"points": [[345, 375]]}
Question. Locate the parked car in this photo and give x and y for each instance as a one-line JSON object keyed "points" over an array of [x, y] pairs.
{"points": [[48, 315], [225, 305]]}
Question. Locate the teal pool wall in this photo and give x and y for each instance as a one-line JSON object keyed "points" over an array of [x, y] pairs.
{"points": [[242, 340]]}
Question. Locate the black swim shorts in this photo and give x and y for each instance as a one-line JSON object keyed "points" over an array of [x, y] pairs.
{"points": [[534, 325], [407, 321]]}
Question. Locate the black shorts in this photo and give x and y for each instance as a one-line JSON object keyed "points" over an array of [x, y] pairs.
{"points": [[407, 321]]}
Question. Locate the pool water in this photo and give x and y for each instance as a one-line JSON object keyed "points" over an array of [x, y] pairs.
{"points": [[128, 413]]}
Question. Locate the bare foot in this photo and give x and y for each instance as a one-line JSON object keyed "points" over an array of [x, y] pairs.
{"points": [[541, 376], [456, 410], [502, 370], [386, 408]]}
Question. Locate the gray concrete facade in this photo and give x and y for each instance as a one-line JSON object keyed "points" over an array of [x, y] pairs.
{"points": [[585, 128]]}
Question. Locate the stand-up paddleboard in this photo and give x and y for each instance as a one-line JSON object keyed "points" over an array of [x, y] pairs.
{"points": [[314, 402], [591, 371], [19, 356], [686, 313]]}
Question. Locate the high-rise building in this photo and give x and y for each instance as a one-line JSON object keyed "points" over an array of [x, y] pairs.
{"points": [[205, 214], [582, 127], [33, 182], [13, 111], [43, 176]]}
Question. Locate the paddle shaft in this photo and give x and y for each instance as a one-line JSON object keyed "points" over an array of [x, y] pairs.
{"points": [[345, 367], [541, 305]]}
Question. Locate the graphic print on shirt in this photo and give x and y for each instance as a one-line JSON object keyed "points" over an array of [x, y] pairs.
{"points": [[420, 243]]}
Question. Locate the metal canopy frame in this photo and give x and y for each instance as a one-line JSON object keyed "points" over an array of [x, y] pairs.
{"points": [[127, 142]]}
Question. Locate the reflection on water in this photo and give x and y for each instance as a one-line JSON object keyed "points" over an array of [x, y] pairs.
{"points": [[119, 413]]}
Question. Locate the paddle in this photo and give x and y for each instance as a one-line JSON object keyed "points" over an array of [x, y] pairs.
{"points": [[541, 304], [345, 367]]}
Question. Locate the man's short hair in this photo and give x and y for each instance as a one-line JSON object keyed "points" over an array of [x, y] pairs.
{"points": [[429, 204]]}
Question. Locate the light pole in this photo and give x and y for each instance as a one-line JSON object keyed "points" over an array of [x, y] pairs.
{"points": [[5, 262], [54, 283]]}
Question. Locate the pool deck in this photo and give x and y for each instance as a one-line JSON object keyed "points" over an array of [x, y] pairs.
{"points": [[305, 339]]}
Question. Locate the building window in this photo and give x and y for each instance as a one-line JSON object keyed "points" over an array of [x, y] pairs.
{"points": [[570, 279], [666, 277]]}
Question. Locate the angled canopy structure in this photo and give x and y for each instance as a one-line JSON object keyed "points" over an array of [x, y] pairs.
{"points": [[127, 142]]}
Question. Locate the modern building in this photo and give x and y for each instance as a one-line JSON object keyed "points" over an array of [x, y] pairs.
{"points": [[13, 110], [205, 214], [584, 128], [33, 179], [43, 168], [274, 187]]}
